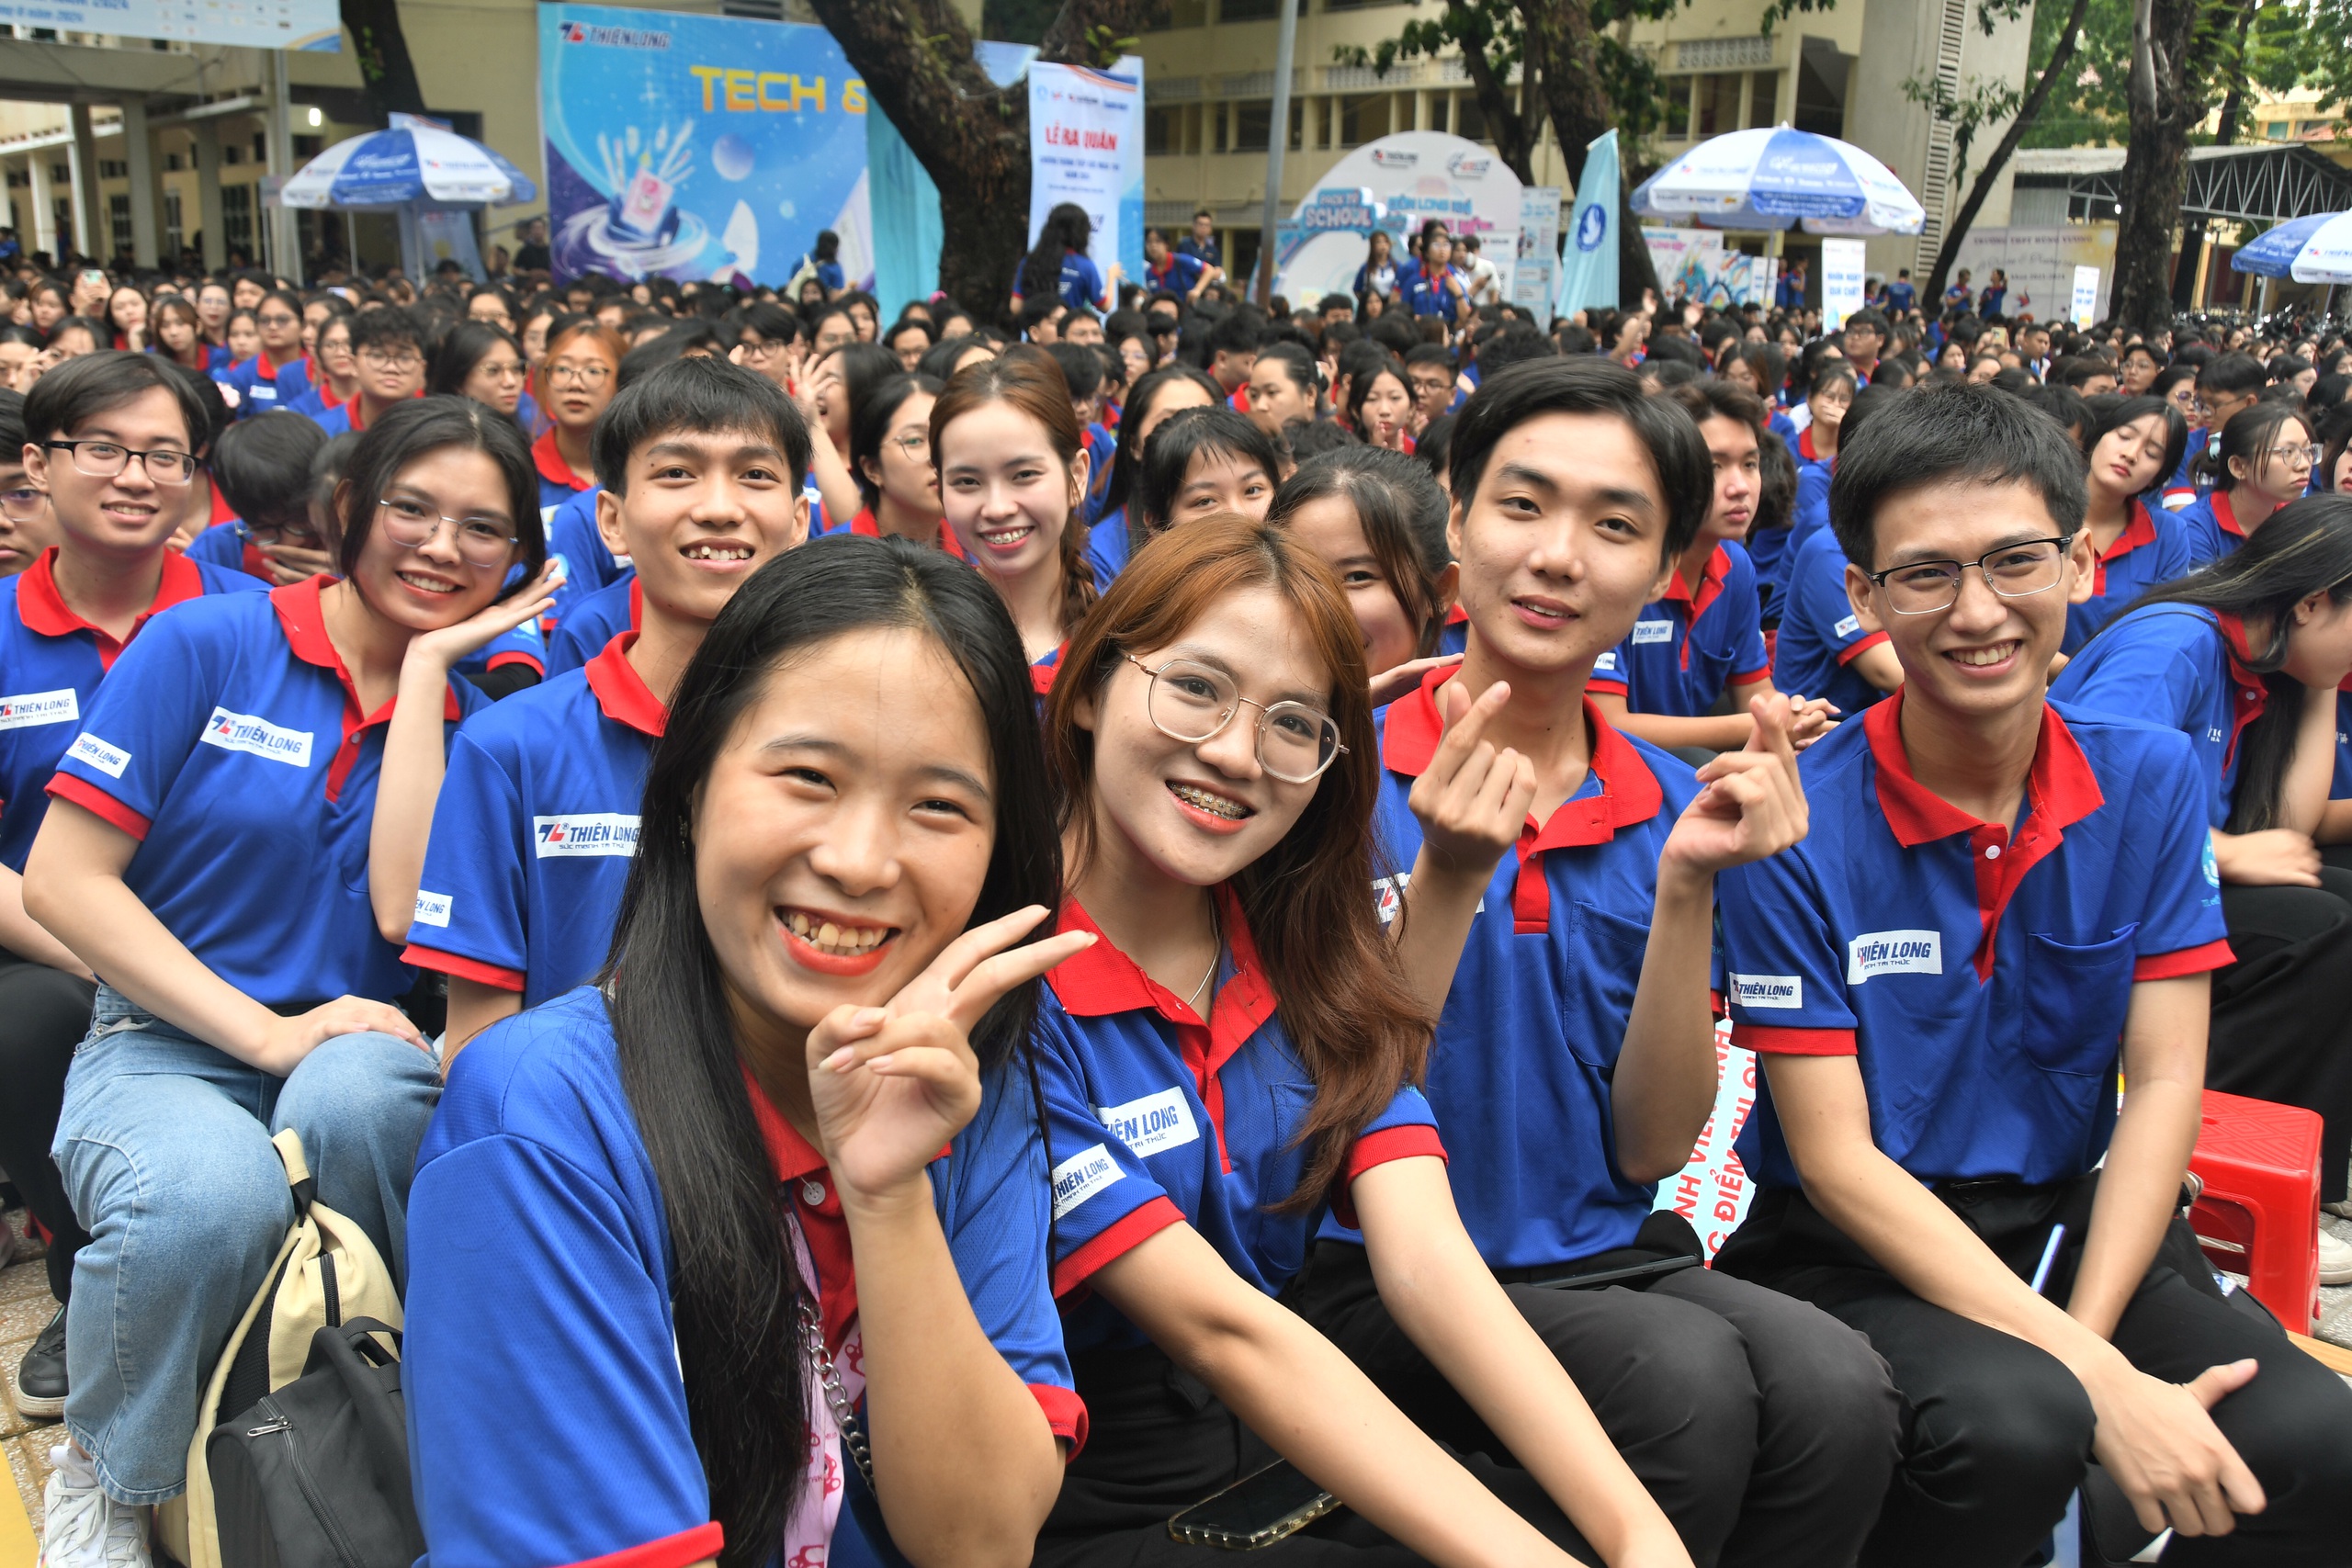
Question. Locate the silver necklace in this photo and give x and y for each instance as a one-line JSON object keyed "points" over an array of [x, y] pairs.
{"points": [[1216, 940]]}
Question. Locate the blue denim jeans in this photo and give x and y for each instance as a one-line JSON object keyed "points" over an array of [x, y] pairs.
{"points": [[164, 1143]]}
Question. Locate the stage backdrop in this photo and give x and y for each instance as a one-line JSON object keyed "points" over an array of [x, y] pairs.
{"points": [[699, 147], [1398, 183], [1086, 147]]}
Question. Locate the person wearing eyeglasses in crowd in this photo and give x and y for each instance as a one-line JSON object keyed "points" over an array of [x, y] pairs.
{"points": [[388, 350], [262, 468], [480, 359], [768, 343], [25, 526], [279, 372], [577, 380], [337, 380], [2227, 385], [66, 614], [889, 451], [2262, 458]]}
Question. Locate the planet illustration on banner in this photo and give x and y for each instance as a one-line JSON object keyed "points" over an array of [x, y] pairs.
{"points": [[732, 157]]}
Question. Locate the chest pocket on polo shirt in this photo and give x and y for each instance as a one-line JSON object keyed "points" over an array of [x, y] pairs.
{"points": [[1281, 1238], [1604, 961], [2075, 996]]}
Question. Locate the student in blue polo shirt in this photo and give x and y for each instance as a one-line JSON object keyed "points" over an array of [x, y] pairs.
{"points": [[244, 803], [579, 372], [63, 621], [1012, 482], [1377, 519], [262, 468], [1156, 396], [2263, 459], [2003, 900], [771, 1197], [1823, 647], [1575, 1064], [594, 621], [2245, 657], [388, 346], [2135, 542], [701, 464], [1235, 1058], [2226, 385], [1701, 645], [279, 374]]}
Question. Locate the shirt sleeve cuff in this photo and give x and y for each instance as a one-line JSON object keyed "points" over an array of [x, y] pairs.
{"points": [[1774, 1042], [700, 1544], [1748, 677], [1608, 686], [1124, 1235], [463, 968], [1847, 654], [2187, 961], [1386, 1146], [1064, 1413], [99, 803]]}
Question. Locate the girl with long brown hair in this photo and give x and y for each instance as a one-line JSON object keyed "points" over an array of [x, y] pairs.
{"points": [[1012, 472], [1234, 1060]]}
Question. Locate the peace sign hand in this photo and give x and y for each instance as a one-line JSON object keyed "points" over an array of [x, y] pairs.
{"points": [[1752, 805], [892, 1085]]}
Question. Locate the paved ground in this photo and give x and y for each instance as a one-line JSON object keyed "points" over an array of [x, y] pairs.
{"points": [[25, 1310]]}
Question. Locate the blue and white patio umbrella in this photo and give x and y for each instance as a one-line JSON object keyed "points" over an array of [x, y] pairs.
{"points": [[1780, 178], [2317, 249], [412, 162]]}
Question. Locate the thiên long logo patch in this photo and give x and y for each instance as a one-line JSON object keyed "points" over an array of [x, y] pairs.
{"points": [[1080, 1176], [1152, 1123], [584, 833], [40, 707], [108, 759], [1894, 952], [1767, 990], [257, 738]]}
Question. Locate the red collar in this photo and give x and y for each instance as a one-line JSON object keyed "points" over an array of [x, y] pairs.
{"points": [[1042, 673], [551, 463], [2061, 790], [2225, 515], [621, 693], [43, 609], [866, 524], [265, 371], [1805, 446], [302, 619], [2254, 691], [355, 402], [635, 603], [2141, 530], [1628, 794], [800, 1169], [327, 399], [1711, 587], [1103, 980]]}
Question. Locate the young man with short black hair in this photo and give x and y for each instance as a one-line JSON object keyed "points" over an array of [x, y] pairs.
{"points": [[1556, 880], [701, 465], [2000, 904], [389, 346]]}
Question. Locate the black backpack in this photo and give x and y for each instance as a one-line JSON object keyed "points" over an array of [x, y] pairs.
{"points": [[315, 1476]]}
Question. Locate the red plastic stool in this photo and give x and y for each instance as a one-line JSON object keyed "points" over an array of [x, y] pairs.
{"points": [[2257, 1210]]}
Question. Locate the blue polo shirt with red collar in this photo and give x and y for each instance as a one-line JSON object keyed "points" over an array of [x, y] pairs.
{"points": [[1157, 1118], [535, 829], [1980, 974], [558, 483], [2181, 667], [50, 664], [1689, 647], [1527, 1045], [546, 1415], [229, 740], [2155, 547], [1820, 634], [2211, 524], [572, 539], [594, 621], [263, 387]]}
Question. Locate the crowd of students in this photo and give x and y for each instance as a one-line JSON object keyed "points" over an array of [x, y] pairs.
{"points": [[931, 940]]}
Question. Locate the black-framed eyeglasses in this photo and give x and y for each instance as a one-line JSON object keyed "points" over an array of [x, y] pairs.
{"points": [[2013, 572], [483, 541], [105, 459], [23, 503], [300, 536], [1192, 702], [379, 359]]}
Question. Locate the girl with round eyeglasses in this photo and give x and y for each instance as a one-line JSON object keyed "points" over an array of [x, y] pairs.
{"points": [[2263, 458]]}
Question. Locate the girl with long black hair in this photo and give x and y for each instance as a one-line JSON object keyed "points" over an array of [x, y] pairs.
{"points": [[691, 1270], [889, 447], [1233, 1061], [1154, 398], [1057, 268], [2245, 657], [2261, 460], [2135, 543]]}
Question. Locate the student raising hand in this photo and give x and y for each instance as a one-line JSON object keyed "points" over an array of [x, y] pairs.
{"points": [[892, 1085], [1753, 804]]}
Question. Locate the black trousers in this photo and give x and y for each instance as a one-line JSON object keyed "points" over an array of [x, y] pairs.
{"points": [[2282, 1013], [44, 1013], [1158, 1441], [1996, 1434], [1764, 1429]]}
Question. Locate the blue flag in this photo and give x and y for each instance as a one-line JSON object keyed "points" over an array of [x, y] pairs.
{"points": [[1588, 250]]}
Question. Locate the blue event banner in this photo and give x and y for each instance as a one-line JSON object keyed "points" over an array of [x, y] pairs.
{"points": [[698, 147]]}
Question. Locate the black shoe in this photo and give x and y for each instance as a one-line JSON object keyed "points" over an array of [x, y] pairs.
{"points": [[40, 1376]]}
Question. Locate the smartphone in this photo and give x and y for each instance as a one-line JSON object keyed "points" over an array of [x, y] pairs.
{"points": [[1257, 1510]]}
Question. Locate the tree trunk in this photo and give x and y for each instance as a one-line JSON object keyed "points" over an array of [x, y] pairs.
{"points": [[1560, 43], [385, 68], [2155, 165], [2061, 59], [2225, 133], [971, 136], [1514, 133]]}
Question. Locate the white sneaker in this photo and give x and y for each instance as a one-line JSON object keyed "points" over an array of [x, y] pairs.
{"points": [[84, 1527], [2334, 1260]]}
